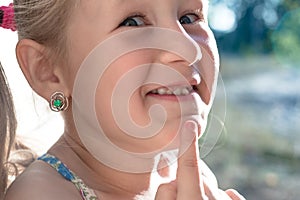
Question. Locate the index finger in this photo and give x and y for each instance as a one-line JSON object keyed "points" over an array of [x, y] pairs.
{"points": [[188, 175]]}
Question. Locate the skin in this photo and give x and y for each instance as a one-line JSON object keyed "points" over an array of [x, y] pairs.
{"points": [[97, 21]]}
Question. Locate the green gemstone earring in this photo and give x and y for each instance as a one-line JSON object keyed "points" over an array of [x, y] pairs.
{"points": [[58, 102]]}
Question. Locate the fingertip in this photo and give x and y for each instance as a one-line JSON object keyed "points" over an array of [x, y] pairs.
{"points": [[189, 133], [191, 126]]}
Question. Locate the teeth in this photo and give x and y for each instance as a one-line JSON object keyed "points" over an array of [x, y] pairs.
{"points": [[162, 91], [185, 91], [169, 92], [178, 91]]}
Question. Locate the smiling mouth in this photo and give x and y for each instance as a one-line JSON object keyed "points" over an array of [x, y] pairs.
{"points": [[174, 91]]}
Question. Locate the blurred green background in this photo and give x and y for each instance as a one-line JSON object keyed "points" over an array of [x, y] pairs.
{"points": [[258, 151]]}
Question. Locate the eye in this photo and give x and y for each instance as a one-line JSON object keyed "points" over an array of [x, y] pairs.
{"points": [[189, 18], [136, 20]]}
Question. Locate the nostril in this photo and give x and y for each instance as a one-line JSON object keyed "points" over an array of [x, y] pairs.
{"points": [[195, 88]]}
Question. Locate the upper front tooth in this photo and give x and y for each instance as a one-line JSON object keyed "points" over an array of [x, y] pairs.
{"points": [[162, 91]]}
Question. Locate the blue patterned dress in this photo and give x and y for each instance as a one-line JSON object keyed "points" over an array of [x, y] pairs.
{"points": [[85, 192]]}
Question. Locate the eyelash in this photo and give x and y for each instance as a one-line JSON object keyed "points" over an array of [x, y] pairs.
{"points": [[195, 13], [143, 17]]}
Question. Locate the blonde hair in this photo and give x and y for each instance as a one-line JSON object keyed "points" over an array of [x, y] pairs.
{"points": [[45, 22], [8, 125]]}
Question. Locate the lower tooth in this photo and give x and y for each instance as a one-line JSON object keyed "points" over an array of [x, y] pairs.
{"points": [[185, 92], [169, 92], [177, 92]]}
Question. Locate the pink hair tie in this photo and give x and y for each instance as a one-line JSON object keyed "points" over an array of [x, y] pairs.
{"points": [[8, 19]]}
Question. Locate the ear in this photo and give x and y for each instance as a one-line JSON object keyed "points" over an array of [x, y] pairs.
{"points": [[41, 74]]}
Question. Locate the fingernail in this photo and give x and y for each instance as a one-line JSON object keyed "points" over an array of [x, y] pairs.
{"points": [[190, 125], [174, 182]]}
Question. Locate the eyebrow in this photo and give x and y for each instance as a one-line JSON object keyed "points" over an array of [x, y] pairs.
{"points": [[116, 4], [116, 1]]}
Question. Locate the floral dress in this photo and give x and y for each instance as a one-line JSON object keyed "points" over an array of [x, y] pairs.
{"points": [[85, 192]]}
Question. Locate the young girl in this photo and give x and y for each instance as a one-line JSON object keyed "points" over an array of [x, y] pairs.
{"points": [[134, 81]]}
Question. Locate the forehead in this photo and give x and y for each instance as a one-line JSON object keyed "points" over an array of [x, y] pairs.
{"points": [[120, 4]]}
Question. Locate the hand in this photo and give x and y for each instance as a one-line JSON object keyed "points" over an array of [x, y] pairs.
{"points": [[192, 181]]}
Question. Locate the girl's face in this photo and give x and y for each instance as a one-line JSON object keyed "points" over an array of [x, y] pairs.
{"points": [[96, 21]]}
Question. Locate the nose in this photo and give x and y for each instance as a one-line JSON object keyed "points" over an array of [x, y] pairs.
{"points": [[182, 49], [205, 67]]}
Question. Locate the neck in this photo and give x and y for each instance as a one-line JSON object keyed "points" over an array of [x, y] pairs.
{"points": [[108, 182]]}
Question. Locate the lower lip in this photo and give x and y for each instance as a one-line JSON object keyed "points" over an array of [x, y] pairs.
{"points": [[173, 98]]}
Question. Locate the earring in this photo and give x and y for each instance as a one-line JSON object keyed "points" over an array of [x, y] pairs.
{"points": [[58, 102]]}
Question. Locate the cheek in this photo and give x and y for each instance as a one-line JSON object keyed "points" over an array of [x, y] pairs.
{"points": [[137, 115], [131, 107], [208, 69], [118, 95], [208, 66], [203, 35], [75, 59], [121, 82]]}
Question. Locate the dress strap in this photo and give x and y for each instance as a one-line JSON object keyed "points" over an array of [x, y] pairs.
{"points": [[86, 193]]}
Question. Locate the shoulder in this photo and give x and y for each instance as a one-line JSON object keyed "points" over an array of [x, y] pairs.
{"points": [[41, 181]]}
